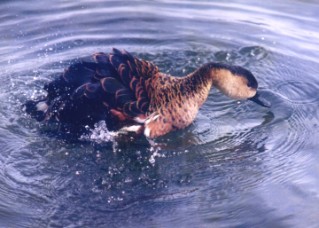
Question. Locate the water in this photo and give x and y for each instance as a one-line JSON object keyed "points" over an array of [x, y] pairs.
{"points": [[238, 165]]}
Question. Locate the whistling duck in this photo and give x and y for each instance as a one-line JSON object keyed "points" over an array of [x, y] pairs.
{"points": [[120, 88]]}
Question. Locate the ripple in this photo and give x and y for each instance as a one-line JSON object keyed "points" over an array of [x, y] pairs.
{"points": [[254, 52], [298, 92], [243, 56]]}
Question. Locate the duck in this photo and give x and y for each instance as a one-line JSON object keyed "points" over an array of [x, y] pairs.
{"points": [[132, 95]]}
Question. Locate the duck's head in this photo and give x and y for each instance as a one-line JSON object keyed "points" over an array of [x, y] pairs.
{"points": [[236, 82]]}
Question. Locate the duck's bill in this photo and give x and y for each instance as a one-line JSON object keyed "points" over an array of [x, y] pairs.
{"points": [[260, 100]]}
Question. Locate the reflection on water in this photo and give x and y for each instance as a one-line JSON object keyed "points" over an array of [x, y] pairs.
{"points": [[238, 164]]}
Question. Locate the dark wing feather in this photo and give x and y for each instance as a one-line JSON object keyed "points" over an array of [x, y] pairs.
{"points": [[79, 73], [111, 85], [91, 87], [103, 70], [133, 73], [101, 57]]}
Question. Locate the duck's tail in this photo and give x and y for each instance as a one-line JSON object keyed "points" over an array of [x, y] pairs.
{"points": [[36, 109]]}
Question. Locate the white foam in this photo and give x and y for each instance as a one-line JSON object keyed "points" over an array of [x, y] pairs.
{"points": [[42, 106], [100, 134], [155, 150]]}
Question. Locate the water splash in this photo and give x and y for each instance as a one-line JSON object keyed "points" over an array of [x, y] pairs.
{"points": [[99, 134], [155, 149]]}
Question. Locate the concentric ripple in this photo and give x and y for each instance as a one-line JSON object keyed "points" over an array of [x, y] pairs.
{"points": [[299, 92]]}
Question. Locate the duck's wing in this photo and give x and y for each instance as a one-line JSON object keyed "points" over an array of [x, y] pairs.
{"points": [[134, 76], [117, 81]]}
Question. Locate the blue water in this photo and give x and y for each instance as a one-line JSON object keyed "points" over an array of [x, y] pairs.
{"points": [[237, 165]]}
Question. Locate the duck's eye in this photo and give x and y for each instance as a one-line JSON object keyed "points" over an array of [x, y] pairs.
{"points": [[249, 84], [252, 84]]}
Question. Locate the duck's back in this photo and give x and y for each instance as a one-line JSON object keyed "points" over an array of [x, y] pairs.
{"points": [[111, 87]]}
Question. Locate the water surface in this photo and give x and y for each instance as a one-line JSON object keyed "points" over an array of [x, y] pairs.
{"points": [[237, 165]]}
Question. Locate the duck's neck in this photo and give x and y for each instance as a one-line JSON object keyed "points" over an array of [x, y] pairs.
{"points": [[198, 83], [193, 88]]}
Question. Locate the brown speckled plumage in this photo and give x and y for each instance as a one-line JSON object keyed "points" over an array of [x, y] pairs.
{"points": [[175, 101], [120, 88]]}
